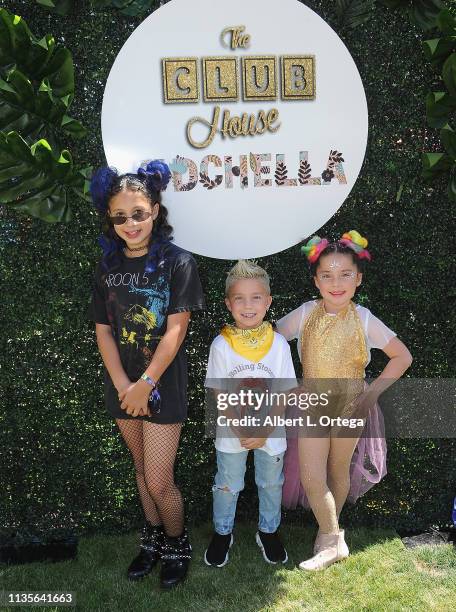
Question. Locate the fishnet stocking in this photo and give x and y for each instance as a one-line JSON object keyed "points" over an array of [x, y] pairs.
{"points": [[154, 448]]}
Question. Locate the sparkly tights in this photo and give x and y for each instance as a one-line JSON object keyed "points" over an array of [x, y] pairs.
{"points": [[154, 448], [325, 476]]}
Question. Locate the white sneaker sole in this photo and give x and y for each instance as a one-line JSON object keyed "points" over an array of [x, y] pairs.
{"points": [[260, 544], [324, 565], [226, 558]]}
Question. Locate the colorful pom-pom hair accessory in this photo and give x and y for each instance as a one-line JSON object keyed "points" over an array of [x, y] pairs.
{"points": [[314, 247], [357, 243]]}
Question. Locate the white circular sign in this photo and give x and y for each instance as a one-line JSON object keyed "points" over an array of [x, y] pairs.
{"points": [[258, 109]]}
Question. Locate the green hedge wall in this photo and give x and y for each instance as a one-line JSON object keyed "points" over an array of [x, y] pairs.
{"points": [[63, 463]]}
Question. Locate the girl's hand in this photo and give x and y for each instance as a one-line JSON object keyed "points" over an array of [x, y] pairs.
{"points": [[252, 443], [134, 399], [361, 406], [123, 386], [358, 410]]}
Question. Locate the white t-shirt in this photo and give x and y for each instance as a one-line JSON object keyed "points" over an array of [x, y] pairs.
{"points": [[224, 363], [376, 333]]}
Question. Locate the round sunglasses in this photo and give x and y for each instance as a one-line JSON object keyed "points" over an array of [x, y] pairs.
{"points": [[139, 215]]}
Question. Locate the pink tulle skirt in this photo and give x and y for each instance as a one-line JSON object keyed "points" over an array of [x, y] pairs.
{"points": [[368, 464]]}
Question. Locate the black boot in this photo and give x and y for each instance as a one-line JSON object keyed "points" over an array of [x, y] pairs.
{"points": [[176, 555], [150, 550]]}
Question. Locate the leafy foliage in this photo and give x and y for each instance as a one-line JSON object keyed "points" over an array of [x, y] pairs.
{"points": [[36, 91], [422, 13], [132, 8], [36, 82], [63, 460], [353, 13], [441, 105], [36, 180], [61, 7]]}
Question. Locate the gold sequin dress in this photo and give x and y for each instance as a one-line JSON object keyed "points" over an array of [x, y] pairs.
{"points": [[334, 356]]}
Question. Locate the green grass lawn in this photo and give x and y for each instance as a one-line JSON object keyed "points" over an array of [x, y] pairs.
{"points": [[380, 574]]}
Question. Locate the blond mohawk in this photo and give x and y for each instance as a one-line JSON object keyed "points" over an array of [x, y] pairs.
{"points": [[243, 269]]}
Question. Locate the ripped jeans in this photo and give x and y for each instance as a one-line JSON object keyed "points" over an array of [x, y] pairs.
{"points": [[229, 481]]}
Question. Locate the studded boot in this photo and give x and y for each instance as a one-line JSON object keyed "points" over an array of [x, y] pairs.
{"points": [[149, 553], [175, 556]]}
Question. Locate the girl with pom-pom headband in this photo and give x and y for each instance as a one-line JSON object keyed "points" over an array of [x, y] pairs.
{"points": [[351, 243], [341, 452]]}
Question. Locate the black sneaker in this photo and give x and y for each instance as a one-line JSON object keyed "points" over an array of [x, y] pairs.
{"points": [[217, 551], [271, 547]]}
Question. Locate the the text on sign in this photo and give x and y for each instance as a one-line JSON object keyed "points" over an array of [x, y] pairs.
{"points": [[245, 125], [236, 37]]}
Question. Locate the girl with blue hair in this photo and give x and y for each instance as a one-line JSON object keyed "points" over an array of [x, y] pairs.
{"points": [[145, 288]]}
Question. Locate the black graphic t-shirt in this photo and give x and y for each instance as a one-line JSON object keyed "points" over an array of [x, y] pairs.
{"points": [[136, 304]]}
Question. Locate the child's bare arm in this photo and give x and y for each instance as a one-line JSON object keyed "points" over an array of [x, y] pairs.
{"points": [[400, 361], [169, 344], [135, 398], [111, 358]]}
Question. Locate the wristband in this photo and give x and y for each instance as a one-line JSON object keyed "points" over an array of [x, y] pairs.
{"points": [[150, 381], [154, 397]]}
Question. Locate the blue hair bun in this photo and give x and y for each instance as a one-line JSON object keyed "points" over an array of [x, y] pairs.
{"points": [[100, 186], [158, 174]]}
